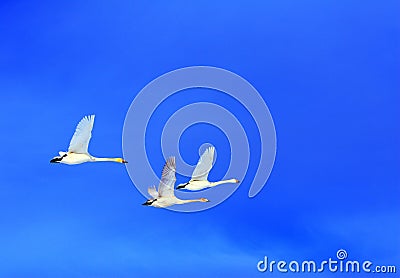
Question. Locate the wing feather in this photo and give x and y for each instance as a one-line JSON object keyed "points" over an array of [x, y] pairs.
{"points": [[153, 192], [166, 187], [83, 132], [204, 165]]}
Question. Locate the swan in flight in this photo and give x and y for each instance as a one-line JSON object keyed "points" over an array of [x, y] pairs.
{"points": [[200, 174], [78, 147], [165, 196]]}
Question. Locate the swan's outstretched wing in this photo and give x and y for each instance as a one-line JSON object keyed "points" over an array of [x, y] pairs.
{"points": [[80, 141], [153, 192], [166, 187], [204, 165]]}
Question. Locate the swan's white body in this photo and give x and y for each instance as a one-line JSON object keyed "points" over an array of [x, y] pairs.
{"points": [[78, 158], [194, 185], [199, 178], [78, 147], [165, 196]]}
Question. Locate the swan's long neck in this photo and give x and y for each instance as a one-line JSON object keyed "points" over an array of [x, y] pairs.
{"points": [[223, 181], [97, 159], [190, 201]]}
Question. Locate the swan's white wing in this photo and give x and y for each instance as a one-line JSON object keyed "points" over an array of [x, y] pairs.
{"points": [[80, 141], [153, 192], [204, 165], [166, 187]]}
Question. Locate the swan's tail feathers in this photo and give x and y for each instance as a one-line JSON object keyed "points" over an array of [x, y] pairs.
{"points": [[57, 159]]}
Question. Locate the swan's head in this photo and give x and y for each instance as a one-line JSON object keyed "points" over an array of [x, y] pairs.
{"points": [[181, 186], [149, 202], [203, 200], [121, 160], [237, 181]]}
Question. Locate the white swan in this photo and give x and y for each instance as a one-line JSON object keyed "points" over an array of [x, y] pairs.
{"points": [[78, 147], [200, 174], [165, 196]]}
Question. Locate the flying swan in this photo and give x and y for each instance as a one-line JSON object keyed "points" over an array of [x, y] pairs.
{"points": [[165, 196], [200, 174], [78, 147]]}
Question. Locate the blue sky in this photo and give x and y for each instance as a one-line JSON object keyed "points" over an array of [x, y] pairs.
{"points": [[328, 71]]}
